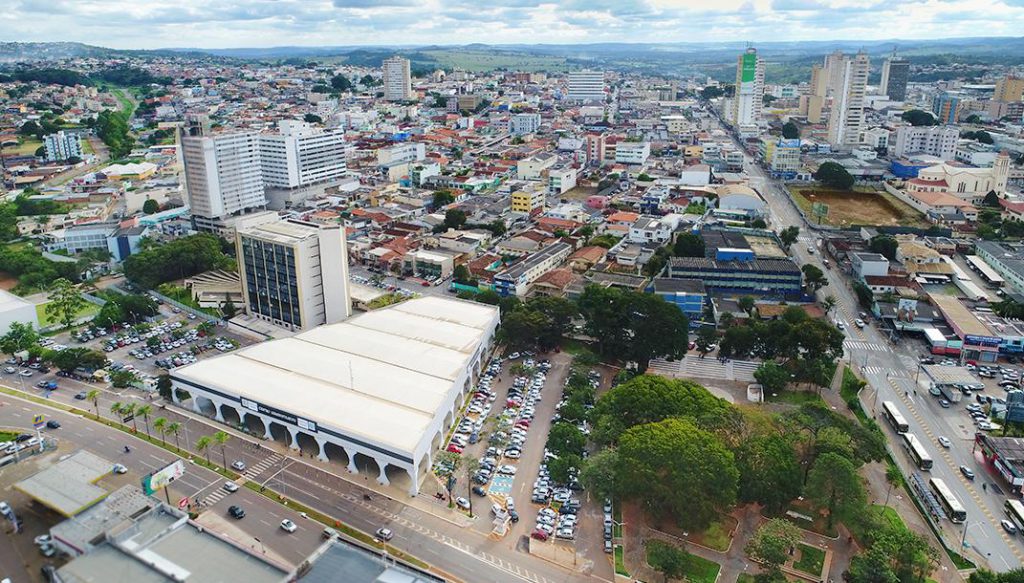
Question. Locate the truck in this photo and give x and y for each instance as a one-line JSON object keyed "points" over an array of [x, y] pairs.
{"points": [[950, 392]]}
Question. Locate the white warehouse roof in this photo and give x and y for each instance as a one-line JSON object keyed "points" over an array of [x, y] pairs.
{"points": [[382, 376]]}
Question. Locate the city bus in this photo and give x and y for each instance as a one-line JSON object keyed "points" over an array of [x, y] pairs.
{"points": [[917, 452], [894, 417], [1015, 510], [954, 510]]}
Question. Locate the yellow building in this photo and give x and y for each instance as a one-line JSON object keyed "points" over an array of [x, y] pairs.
{"points": [[1009, 89], [528, 201], [693, 151]]}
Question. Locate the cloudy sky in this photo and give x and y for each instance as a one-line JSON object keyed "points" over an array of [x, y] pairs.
{"points": [[262, 23]]}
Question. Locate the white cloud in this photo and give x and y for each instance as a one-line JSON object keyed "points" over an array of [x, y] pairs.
{"points": [[261, 23]]}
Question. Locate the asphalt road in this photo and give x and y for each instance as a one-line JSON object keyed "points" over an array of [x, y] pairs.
{"points": [[460, 552], [889, 370]]}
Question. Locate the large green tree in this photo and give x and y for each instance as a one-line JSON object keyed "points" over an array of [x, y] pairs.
{"points": [[917, 117], [668, 560], [834, 175], [688, 245], [20, 336], [814, 278], [790, 131], [834, 485], [649, 399], [772, 541], [65, 302], [176, 260], [885, 245], [633, 326], [772, 376], [69, 359], [769, 471], [674, 467], [788, 236]]}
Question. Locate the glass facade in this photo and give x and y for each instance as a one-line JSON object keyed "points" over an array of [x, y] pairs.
{"points": [[271, 280]]}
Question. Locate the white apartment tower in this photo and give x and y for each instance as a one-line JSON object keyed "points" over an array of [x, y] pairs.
{"points": [[835, 66], [847, 116], [61, 146], [223, 176], [586, 85], [294, 274], [301, 155], [938, 141], [748, 101], [397, 79]]}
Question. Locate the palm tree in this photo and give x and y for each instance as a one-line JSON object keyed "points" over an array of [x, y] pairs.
{"points": [[117, 408], [221, 438], [94, 396], [892, 477], [160, 424], [828, 303], [174, 428], [145, 410], [203, 446], [129, 410]]}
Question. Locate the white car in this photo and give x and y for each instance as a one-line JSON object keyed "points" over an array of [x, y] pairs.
{"points": [[944, 442], [120, 469], [288, 525], [230, 487], [860, 323]]}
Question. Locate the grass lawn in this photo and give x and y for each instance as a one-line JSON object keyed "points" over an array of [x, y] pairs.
{"points": [[616, 521], [889, 515], [796, 397], [6, 436], [812, 560], [620, 565], [25, 147], [88, 309], [717, 536], [701, 570], [745, 578]]}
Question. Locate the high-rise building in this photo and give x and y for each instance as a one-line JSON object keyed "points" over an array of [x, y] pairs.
{"points": [[895, 72], [938, 141], [748, 101], [61, 146], [586, 85], [523, 123], [223, 175], [1009, 89], [946, 106], [813, 103], [397, 79], [301, 155], [847, 116], [294, 274], [835, 68]]}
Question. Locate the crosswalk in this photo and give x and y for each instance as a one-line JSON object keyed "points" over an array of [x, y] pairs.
{"points": [[887, 371], [858, 345], [251, 472], [692, 366]]}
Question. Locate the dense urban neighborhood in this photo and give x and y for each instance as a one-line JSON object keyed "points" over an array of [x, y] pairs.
{"points": [[363, 316]]}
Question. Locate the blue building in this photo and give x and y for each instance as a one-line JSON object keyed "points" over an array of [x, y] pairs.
{"points": [[770, 277], [907, 169], [688, 295]]}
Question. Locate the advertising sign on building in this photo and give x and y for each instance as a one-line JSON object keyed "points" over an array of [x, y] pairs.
{"points": [[161, 478]]}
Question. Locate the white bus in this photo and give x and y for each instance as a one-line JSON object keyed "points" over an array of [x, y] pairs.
{"points": [[894, 417], [1015, 510], [917, 452], [954, 510]]}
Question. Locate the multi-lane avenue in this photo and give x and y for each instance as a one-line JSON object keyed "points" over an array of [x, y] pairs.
{"points": [[890, 372]]}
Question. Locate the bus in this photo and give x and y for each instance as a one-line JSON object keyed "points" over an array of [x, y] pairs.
{"points": [[1015, 510], [894, 417], [922, 460], [954, 510]]}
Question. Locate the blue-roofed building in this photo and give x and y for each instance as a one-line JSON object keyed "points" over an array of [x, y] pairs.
{"points": [[689, 295]]}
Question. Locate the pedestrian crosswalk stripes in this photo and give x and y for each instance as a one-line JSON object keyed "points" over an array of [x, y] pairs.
{"points": [[692, 366], [858, 345]]}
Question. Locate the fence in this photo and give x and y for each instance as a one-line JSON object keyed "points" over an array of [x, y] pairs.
{"points": [[175, 303]]}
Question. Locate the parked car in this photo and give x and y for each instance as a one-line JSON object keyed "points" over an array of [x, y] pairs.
{"points": [[462, 503]]}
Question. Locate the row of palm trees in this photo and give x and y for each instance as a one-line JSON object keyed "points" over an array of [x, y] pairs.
{"points": [[162, 425]]}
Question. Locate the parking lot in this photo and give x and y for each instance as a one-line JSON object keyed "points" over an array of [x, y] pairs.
{"points": [[503, 434]]}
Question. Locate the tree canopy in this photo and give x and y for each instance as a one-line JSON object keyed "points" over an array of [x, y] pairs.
{"points": [[678, 468], [885, 245], [633, 326], [834, 175], [176, 259], [790, 131], [917, 117], [650, 399]]}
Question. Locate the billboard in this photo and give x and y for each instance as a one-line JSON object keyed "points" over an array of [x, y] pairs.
{"points": [[161, 478], [276, 413], [749, 69], [988, 341]]}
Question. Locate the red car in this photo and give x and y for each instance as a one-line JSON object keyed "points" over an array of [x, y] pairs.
{"points": [[523, 423], [539, 535], [454, 448]]}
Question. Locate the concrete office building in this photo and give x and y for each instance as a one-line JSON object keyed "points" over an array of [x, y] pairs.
{"points": [[895, 72], [747, 103], [813, 104], [397, 80], [516, 280], [834, 71], [301, 155], [586, 86], [379, 390], [524, 123], [61, 146], [294, 274], [938, 141], [847, 116], [223, 175]]}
